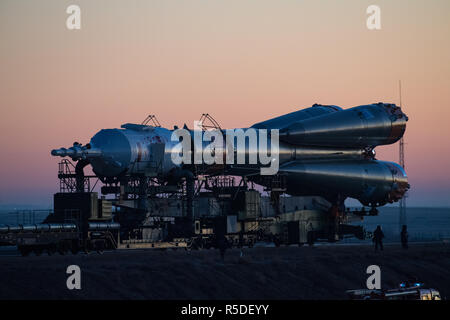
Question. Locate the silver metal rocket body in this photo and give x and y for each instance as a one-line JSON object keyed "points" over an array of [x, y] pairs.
{"points": [[132, 149], [323, 151]]}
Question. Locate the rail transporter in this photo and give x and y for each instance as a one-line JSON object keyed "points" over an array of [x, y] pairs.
{"points": [[325, 155]]}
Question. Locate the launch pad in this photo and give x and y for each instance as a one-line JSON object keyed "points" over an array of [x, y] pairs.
{"points": [[202, 212]]}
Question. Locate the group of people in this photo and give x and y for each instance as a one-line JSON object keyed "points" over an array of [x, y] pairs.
{"points": [[378, 238]]}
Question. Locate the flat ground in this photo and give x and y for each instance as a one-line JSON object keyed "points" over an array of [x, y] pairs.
{"points": [[319, 272]]}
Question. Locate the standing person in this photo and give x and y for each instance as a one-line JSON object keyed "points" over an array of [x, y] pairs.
{"points": [[222, 244], [378, 238], [404, 237], [333, 222]]}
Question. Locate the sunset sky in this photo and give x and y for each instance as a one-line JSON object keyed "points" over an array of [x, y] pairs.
{"points": [[241, 61]]}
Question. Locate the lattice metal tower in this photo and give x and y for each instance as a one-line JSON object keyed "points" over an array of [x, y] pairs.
{"points": [[402, 213]]}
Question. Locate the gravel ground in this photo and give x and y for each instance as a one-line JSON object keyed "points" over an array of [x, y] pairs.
{"points": [[319, 272]]}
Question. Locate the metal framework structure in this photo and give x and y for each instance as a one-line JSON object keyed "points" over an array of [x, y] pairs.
{"points": [[402, 213], [208, 122], [151, 118], [68, 178]]}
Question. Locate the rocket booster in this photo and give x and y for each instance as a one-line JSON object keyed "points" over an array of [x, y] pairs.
{"points": [[363, 126]]}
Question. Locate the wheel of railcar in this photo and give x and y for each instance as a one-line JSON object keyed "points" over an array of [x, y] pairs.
{"points": [[67, 246], [87, 247], [108, 245], [51, 249], [74, 247], [24, 251], [61, 248], [196, 244], [189, 244], [100, 246], [277, 242]]}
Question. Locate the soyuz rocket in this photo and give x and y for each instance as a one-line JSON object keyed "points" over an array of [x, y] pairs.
{"points": [[324, 151]]}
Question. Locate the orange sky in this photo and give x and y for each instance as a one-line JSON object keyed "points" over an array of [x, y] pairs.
{"points": [[241, 61]]}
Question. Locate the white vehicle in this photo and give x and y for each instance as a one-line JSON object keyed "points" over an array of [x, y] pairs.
{"points": [[406, 291]]}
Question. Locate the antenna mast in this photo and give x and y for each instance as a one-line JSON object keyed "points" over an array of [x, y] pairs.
{"points": [[402, 213]]}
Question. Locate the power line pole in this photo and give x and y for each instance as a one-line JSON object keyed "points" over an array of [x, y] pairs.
{"points": [[402, 213]]}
